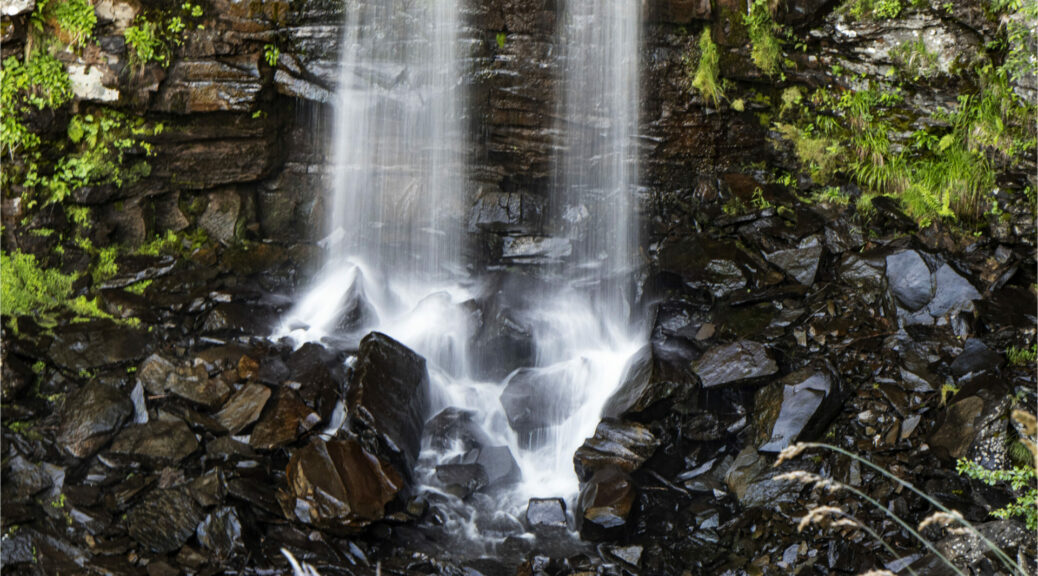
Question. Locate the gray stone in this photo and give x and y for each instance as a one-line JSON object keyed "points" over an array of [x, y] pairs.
{"points": [[954, 293], [910, 280], [91, 417], [801, 263], [734, 363]]}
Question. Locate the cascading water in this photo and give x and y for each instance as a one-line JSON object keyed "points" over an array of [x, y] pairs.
{"points": [[394, 259]]}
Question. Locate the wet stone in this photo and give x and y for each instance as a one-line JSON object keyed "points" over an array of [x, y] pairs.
{"points": [[605, 504], [92, 416], [651, 376], [795, 408], [953, 294], [221, 533], [338, 485], [160, 375], [910, 280], [537, 398], [975, 357], [283, 421], [734, 363], [800, 263], [453, 428], [542, 512], [389, 397], [243, 408], [160, 442], [164, 520], [626, 445], [461, 479], [92, 345], [24, 478], [500, 466]]}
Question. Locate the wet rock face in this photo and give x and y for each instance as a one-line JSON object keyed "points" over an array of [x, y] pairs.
{"points": [[456, 428], [625, 445], [605, 504], [909, 279], [338, 485], [283, 420], [94, 414], [975, 424], [797, 408], [734, 363], [546, 512], [243, 408], [388, 399], [800, 263], [91, 345]]}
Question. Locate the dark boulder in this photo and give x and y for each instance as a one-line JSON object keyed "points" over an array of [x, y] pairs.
{"points": [[538, 398], [160, 442], [388, 400], [909, 279], [605, 504], [498, 463], [338, 486], [651, 376], [282, 421], [975, 425], [625, 445], [92, 345], [160, 375], [164, 520], [800, 263], [461, 479], [734, 363], [455, 428], [221, 533], [546, 512], [796, 408], [975, 358], [92, 416], [243, 408]]}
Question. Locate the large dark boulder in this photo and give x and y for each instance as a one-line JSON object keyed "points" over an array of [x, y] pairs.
{"points": [[625, 445], [338, 486], [796, 408], [605, 504], [651, 376], [388, 400], [975, 425], [538, 398], [734, 363], [456, 428], [92, 416]]}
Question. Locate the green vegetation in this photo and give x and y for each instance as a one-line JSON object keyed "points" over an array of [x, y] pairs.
{"points": [[38, 83], [501, 38], [154, 35], [914, 60], [73, 20], [1020, 479], [766, 49], [30, 291], [876, 9], [706, 79], [271, 53], [138, 288], [105, 266], [1022, 357]]}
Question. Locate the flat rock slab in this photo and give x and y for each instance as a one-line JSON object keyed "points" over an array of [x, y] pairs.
{"points": [[800, 263], [546, 512], [160, 375], [92, 416], [283, 421], [626, 445], [160, 441], [243, 408], [734, 363], [164, 520]]}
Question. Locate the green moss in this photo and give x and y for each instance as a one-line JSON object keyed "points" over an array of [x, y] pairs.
{"points": [[139, 287], [1022, 356], [766, 49], [706, 79], [38, 83], [105, 266], [28, 290]]}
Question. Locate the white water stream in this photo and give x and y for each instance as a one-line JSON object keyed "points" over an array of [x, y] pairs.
{"points": [[394, 251]]}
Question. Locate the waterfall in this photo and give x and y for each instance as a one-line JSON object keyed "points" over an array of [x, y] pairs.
{"points": [[395, 238]]}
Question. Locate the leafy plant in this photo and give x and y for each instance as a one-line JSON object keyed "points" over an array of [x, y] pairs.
{"points": [[146, 44], [1022, 356], [1020, 479], [914, 60], [74, 19], [707, 76], [38, 83], [271, 53], [766, 50]]}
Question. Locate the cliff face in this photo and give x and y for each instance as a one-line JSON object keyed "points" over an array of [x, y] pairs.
{"points": [[247, 130]]}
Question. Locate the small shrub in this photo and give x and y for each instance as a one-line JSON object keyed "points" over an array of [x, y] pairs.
{"points": [[28, 290], [75, 20], [1022, 356], [1020, 479], [146, 44], [707, 77], [271, 54]]}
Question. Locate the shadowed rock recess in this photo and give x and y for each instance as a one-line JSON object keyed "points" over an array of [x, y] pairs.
{"points": [[839, 247]]}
